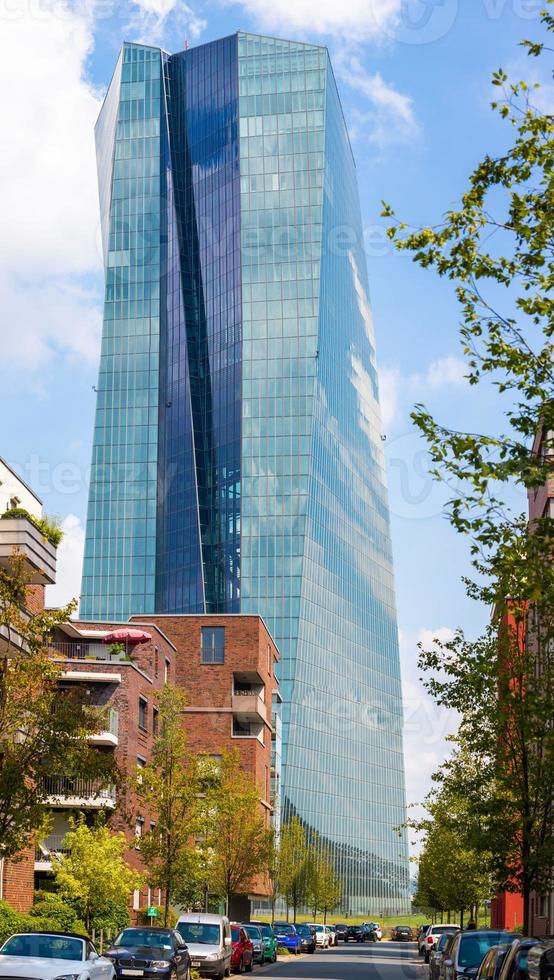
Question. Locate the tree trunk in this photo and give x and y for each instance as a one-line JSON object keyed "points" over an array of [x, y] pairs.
{"points": [[526, 909], [462, 918]]}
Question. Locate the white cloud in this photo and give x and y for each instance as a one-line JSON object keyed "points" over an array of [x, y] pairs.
{"points": [[398, 390], [48, 197], [69, 562], [390, 117], [150, 18], [355, 19]]}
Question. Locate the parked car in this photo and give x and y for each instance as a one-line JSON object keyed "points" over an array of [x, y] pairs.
{"points": [[208, 938], [369, 933], [540, 961], [516, 962], [437, 954], [333, 941], [421, 930], [356, 934], [242, 949], [322, 934], [374, 927], [492, 963], [269, 941], [287, 936], [429, 940], [342, 932], [402, 934], [53, 956], [469, 949], [145, 949], [308, 941], [255, 934]]}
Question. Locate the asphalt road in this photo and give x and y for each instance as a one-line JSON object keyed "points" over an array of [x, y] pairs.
{"points": [[353, 961]]}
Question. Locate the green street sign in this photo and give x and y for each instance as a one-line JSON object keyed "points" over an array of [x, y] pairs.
{"points": [[152, 911]]}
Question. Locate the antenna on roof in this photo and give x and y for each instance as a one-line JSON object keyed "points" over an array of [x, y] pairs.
{"points": [[186, 44]]}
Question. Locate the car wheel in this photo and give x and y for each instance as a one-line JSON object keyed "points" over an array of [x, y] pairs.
{"points": [[250, 967], [227, 972], [274, 957]]}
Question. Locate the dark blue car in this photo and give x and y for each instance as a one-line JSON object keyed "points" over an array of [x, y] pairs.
{"points": [[147, 951], [287, 936]]}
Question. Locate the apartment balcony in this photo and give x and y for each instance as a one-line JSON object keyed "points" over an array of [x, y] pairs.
{"points": [[50, 847], [86, 650], [110, 736], [248, 729], [39, 555], [249, 706], [79, 794]]}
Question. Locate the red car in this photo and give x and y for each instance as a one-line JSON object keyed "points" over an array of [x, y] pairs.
{"points": [[242, 950]]}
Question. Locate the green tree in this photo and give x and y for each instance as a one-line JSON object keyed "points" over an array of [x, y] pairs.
{"points": [[240, 842], [324, 885], [497, 250], [169, 789], [94, 875], [294, 865], [43, 730], [454, 870]]}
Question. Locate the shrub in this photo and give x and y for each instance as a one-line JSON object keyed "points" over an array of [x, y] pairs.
{"points": [[51, 907], [10, 921], [111, 919]]}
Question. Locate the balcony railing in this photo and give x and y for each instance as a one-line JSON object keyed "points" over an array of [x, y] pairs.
{"points": [[85, 793], [110, 731], [54, 844], [249, 705], [86, 650]]}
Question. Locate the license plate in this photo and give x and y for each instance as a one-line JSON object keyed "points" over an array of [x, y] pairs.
{"points": [[132, 973], [196, 962]]}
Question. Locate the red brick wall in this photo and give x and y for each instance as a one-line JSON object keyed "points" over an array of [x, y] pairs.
{"points": [[18, 881]]}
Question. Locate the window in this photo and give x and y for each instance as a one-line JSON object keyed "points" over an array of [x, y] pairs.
{"points": [[138, 827], [269, 660], [155, 718], [167, 668], [213, 644], [136, 900], [143, 714]]}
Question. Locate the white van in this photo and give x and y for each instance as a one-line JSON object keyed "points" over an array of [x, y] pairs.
{"points": [[208, 938]]}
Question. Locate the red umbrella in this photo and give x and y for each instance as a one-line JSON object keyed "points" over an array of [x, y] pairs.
{"points": [[126, 635]]}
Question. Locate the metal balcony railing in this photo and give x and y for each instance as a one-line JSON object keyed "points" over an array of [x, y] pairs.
{"points": [[54, 844], [85, 650], [80, 789]]}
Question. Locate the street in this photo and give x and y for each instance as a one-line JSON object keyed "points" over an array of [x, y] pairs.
{"points": [[384, 960]]}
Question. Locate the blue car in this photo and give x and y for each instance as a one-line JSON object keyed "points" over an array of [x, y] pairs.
{"points": [[287, 936]]}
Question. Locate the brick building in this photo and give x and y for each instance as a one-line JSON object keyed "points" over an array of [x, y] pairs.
{"points": [[21, 534]]}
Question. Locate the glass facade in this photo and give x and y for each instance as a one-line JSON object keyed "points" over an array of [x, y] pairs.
{"points": [[263, 488]]}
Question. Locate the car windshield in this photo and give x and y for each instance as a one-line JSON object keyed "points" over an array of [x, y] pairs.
{"points": [[473, 949], [200, 932], [253, 932], [281, 927], [304, 930], [444, 930], [235, 934], [47, 947], [267, 932], [144, 937], [443, 940]]}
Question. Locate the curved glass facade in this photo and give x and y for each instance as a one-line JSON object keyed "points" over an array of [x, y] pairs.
{"points": [[268, 465]]}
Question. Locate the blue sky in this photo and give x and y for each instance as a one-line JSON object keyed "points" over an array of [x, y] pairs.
{"points": [[414, 77]]}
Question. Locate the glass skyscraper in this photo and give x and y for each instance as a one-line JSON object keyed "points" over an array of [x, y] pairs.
{"points": [[237, 461]]}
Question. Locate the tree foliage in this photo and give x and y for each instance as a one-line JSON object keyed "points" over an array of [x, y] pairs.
{"points": [[293, 865], [169, 789], [94, 875], [323, 885], [497, 248], [43, 730], [239, 839]]}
